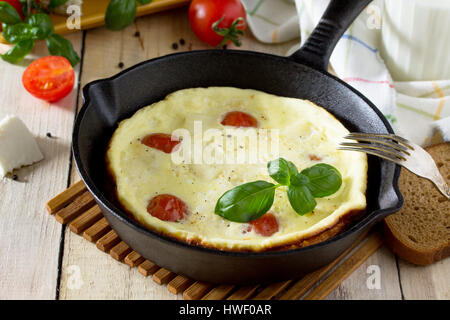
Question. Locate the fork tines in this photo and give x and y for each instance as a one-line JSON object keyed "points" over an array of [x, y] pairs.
{"points": [[387, 146]]}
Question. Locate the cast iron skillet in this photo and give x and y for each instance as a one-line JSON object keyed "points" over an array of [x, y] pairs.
{"points": [[302, 75]]}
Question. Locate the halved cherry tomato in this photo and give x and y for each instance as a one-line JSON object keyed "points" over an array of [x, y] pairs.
{"points": [[239, 119], [160, 141], [266, 226], [203, 14], [167, 207], [49, 78]]}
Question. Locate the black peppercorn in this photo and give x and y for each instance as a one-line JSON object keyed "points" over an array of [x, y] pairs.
{"points": [[182, 42], [137, 34], [120, 65], [15, 177], [174, 46], [49, 135]]}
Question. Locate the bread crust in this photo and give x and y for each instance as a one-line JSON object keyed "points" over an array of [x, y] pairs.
{"points": [[401, 249], [397, 240]]}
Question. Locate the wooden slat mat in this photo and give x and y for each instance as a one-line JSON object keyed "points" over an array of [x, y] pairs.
{"points": [[77, 208]]}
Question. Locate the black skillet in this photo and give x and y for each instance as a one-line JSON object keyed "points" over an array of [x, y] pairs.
{"points": [[302, 75]]}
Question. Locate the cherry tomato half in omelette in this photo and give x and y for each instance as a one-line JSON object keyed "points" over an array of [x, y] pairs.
{"points": [[266, 226], [160, 141], [239, 119], [167, 207]]}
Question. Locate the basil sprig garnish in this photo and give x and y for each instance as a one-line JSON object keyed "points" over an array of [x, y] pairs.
{"points": [[323, 180], [121, 13], [19, 51], [60, 46], [8, 14], [246, 202], [282, 170], [37, 26], [42, 26], [250, 201]]}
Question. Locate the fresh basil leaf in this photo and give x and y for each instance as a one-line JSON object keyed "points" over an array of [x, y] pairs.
{"points": [[59, 46], [299, 180], [144, 1], [43, 25], [301, 199], [18, 32], [281, 170], [120, 14], [292, 168], [56, 3], [324, 180], [246, 202], [8, 14], [19, 51]]}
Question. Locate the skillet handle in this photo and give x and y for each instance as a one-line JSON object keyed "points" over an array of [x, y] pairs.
{"points": [[338, 16]]}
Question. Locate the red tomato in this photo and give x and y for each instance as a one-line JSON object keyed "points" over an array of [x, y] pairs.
{"points": [[49, 78], [17, 5], [160, 141], [239, 119], [203, 14], [167, 207], [266, 226]]}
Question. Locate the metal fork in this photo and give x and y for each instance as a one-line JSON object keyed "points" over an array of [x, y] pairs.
{"points": [[400, 151]]}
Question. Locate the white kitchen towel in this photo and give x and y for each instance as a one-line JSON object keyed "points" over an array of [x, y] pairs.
{"points": [[272, 21], [413, 108]]}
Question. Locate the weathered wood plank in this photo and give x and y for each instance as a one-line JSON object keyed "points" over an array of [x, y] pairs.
{"points": [[425, 282], [355, 286], [29, 236]]}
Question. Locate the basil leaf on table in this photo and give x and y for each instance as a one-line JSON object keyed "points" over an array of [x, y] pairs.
{"points": [[56, 3], [120, 14], [59, 46], [324, 180], [301, 199], [281, 170], [246, 202], [18, 32], [43, 25], [19, 51], [8, 14]]}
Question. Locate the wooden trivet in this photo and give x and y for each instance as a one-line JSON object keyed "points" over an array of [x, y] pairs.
{"points": [[77, 208]]}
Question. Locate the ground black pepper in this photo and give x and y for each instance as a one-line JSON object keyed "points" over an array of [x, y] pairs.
{"points": [[49, 135], [182, 42], [120, 65], [137, 34], [174, 46], [15, 177]]}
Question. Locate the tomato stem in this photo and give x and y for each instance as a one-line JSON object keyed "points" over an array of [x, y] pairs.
{"points": [[232, 33]]}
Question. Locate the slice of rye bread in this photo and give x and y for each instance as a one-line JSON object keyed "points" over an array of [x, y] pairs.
{"points": [[420, 231]]}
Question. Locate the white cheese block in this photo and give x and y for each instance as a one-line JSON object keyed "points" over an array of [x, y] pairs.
{"points": [[17, 146]]}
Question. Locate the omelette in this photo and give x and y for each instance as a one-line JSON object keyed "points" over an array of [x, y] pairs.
{"points": [[188, 173]]}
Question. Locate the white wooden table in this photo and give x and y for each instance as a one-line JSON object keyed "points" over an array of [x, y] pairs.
{"points": [[39, 259]]}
